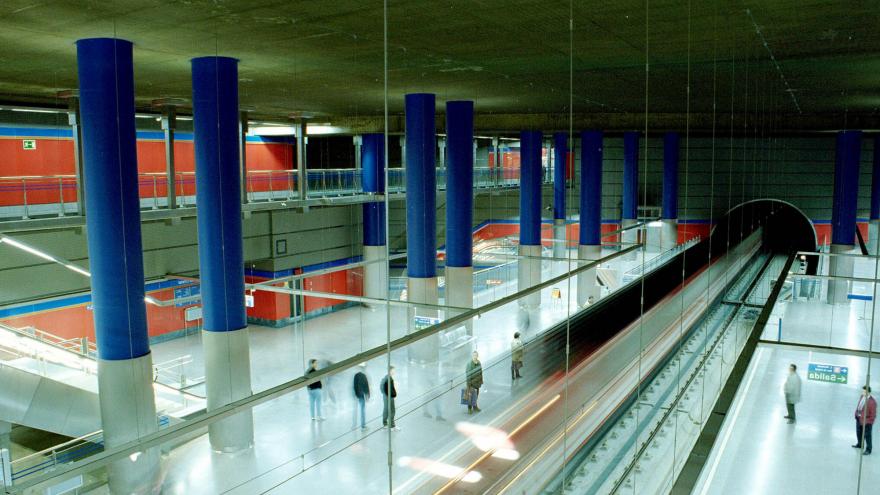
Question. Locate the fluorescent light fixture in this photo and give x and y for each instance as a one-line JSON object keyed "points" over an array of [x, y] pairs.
{"points": [[37, 110], [321, 129], [272, 130], [77, 269], [184, 117], [26, 248], [42, 254], [655, 223]]}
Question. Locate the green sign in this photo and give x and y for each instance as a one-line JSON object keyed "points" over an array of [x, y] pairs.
{"points": [[29, 144], [828, 373]]}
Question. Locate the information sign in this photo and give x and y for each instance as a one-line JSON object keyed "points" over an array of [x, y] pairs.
{"points": [[828, 373]]}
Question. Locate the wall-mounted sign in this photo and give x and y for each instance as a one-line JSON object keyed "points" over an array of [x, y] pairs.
{"points": [[249, 300], [422, 322], [192, 313], [828, 373], [29, 144]]}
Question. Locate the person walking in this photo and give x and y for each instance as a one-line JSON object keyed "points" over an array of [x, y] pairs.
{"points": [[792, 392], [315, 392], [362, 394], [866, 412], [516, 356], [474, 374], [389, 393]]}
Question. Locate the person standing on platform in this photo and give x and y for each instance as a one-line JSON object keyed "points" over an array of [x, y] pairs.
{"points": [[315, 392], [474, 373], [389, 393], [792, 392], [866, 412], [362, 394], [516, 356]]}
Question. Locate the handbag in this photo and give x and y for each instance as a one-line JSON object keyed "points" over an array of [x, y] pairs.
{"points": [[465, 396]]}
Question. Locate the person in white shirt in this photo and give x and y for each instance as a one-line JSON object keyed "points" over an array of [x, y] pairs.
{"points": [[792, 392]]}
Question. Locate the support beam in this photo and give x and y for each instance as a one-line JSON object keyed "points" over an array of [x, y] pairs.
{"points": [[73, 118], [242, 149], [169, 124], [590, 231], [669, 229], [874, 224], [560, 166], [529, 269], [113, 224], [221, 251], [421, 212], [629, 215], [460, 205], [302, 175], [843, 214], [373, 179]]}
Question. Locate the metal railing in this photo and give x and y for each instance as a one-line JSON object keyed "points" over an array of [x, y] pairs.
{"points": [[41, 196], [64, 453], [80, 346]]}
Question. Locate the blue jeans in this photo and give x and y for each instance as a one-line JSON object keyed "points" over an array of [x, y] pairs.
{"points": [[315, 402], [362, 407]]}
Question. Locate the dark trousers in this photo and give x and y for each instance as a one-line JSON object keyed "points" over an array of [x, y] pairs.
{"points": [[514, 369], [387, 411], [866, 430], [473, 394], [790, 407]]}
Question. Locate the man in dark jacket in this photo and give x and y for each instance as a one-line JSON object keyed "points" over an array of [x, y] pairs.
{"points": [[389, 393], [866, 413], [474, 373], [361, 393]]}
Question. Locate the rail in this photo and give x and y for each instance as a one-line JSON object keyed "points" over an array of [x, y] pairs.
{"points": [[42, 196]]}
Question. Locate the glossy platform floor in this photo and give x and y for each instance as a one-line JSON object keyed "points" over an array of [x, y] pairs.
{"points": [[291, 451], [758, 453]]}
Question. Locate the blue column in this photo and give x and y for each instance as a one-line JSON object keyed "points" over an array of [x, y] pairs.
{"points": [[421, 185], [113, 221], [670, 175], [591, 188], [630, 175], [459, 183], [560, 159], [530, 188], [373, 176], [113, 224], [221, 251], [875, 181], [846, 187], [218, 186]]}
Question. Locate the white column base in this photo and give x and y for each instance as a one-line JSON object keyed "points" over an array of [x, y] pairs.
{"points": [[560, 243], [423, 291], [6, 435], [460, 290], [529, 275], [128, 412], [841, 266], [668, 234], [228, 379], [873, 237], [586, 280], [631, 236], [375, 272]]}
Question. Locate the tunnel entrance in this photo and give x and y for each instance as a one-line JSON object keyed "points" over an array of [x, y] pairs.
{"points": [[786, 227]]}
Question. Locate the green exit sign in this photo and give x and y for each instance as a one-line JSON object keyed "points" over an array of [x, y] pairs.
{"points": [[827, 373], [29, 144]]}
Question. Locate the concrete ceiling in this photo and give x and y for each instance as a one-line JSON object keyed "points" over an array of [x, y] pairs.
{"points": [[325, 58]]}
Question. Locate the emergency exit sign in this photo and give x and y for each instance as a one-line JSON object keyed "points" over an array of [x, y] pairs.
{"points": [[29, 144]]}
